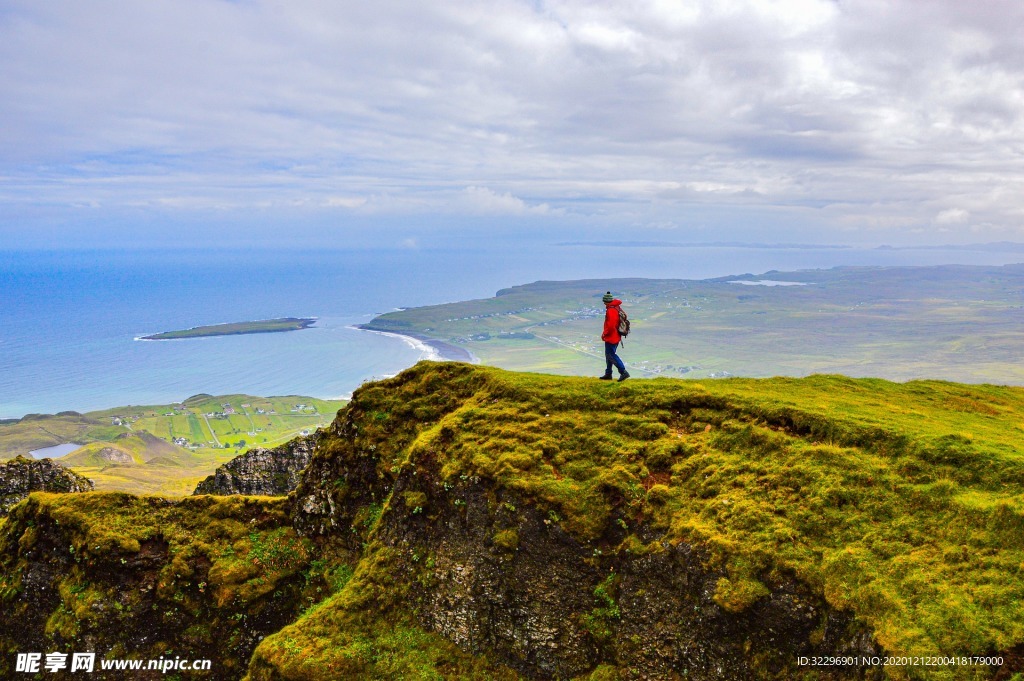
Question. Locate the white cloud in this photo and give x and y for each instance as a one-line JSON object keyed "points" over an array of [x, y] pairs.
{"points": [[610, 38], [346, 201], [877, 113], [952, 216], [483, 201]]}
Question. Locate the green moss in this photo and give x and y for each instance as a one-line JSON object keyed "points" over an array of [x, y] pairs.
{"points": [[359, 633], [366, 519], [601, 620], [738, 594], [415, 501], [194, 585], [887, 498], [603, 672], [507, 540]]}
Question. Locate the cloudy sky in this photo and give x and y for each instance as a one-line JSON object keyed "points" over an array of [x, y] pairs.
{"points": [[298, 121]]}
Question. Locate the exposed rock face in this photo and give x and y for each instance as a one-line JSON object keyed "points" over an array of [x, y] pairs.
{"points": [[500, 576], [19, 477], [154, 581], [504, 580], [114, 455], [555, 607], [268, 472]]}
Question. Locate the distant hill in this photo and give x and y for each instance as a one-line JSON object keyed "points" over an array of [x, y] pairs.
{"points": [[38, 431], [956, 323], [127, 448]]}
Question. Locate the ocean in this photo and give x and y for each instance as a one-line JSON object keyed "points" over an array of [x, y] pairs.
{"points": [[69, 320]]}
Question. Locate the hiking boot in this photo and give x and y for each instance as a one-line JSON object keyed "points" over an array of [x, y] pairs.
{"points": [[606, 377], [623, 376]]}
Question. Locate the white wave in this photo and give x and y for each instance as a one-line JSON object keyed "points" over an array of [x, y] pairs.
{"points": [[426, 351]]}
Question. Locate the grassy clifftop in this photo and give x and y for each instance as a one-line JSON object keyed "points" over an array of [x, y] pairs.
{"points": [[460, 521], [902, 504]]}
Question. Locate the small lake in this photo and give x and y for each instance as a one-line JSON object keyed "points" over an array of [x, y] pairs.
{"points": [[54, 452]]}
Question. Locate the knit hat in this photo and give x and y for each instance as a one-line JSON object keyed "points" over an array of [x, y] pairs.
{"points": [[607, 297]]}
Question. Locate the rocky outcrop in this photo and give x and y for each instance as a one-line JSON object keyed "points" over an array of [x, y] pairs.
{"points": [[124, 576], [498, 576], [515, 586], [267, 472], [19, 477], [506, 576], [114, 455]]}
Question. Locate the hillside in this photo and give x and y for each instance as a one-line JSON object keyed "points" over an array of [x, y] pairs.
{"points": [[165, 449], [38, 431], [466, 522], [951, 322], [127, 448], [142, 463]]}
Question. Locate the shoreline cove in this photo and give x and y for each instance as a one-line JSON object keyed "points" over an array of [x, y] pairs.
{"points": [[433, 349]]}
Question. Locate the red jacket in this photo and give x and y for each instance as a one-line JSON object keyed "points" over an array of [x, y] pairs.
{"points": [[611, 322]]}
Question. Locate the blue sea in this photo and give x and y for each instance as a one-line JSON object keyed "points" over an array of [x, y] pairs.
{"points": [[69, 320]]}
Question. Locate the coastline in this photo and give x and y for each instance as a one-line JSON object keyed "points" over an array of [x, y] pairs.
{"points": [[433, 349]]}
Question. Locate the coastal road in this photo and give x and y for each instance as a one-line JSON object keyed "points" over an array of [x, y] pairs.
{"points": [[251, 422], [212, 434]]}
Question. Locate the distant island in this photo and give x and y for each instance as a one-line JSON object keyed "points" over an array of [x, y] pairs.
{"points": [[237, 328]]}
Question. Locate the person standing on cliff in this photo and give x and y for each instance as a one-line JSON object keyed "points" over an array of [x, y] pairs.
{"points": [[610, 336]]}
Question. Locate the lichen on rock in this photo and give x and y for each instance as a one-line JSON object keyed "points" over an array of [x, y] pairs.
{"points": [[20, 476], [261, 471]]}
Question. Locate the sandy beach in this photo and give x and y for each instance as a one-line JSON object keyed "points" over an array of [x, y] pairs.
{"points": [[430, 348]]}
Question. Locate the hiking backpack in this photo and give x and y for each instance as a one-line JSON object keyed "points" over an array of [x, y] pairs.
{"points": [[623, 323]]}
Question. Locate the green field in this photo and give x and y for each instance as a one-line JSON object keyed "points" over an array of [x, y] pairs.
{"points": [[211, 430], [236, 328], [952, 322]]}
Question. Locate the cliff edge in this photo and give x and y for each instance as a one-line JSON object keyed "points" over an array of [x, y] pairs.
{"points": [[562, 528], [463, 522]]}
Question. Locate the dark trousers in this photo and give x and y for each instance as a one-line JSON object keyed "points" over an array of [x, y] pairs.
{"points": [[611, 358]]}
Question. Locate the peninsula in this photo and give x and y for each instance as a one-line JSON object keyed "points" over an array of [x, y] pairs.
{"points": [[954, 323], [237, 328]]}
